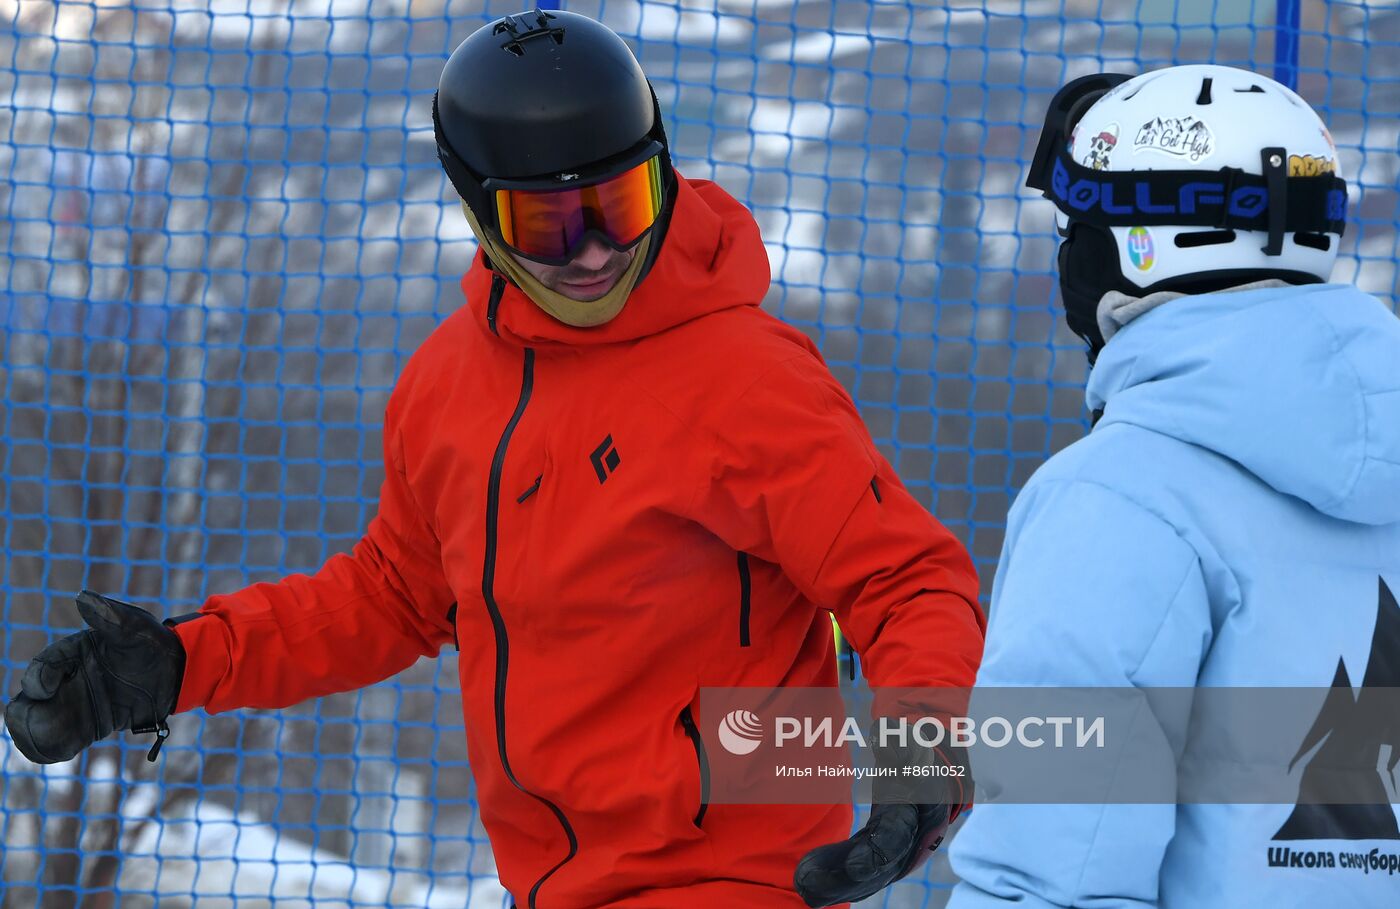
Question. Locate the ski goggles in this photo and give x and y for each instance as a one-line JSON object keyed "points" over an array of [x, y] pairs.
{"points": [[546, 224]]}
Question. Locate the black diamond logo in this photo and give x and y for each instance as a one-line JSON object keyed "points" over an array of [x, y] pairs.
{"points": [[605, 459]]}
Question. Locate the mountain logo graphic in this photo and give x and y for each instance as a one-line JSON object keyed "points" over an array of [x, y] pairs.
{"points": [[1354, 728], [740, 732]]}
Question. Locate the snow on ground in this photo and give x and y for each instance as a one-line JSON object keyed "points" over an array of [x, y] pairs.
{"points": [[226, 860], [208, 855]]}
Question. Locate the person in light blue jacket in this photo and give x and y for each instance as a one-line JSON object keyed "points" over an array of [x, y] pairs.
{"points": [[1233, 518]]}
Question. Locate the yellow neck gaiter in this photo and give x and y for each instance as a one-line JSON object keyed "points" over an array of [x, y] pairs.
{"points": [[573, 312]]}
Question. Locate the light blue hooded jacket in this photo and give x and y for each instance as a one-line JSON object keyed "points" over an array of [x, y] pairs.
{"points": [[1226, 523]]}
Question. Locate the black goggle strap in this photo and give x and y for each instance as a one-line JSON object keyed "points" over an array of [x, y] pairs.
{"points": [[467, 183], [1229, 198]]}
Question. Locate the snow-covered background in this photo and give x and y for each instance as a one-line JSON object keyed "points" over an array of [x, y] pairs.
{"points": [[224, 228]]}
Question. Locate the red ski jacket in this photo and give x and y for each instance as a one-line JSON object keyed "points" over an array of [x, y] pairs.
{"points": [[605, 520]]}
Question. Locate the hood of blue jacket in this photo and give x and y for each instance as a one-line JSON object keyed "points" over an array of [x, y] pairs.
{"points": [[1300, 386]]}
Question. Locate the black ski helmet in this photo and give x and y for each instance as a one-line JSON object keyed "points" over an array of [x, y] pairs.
{"points": [[548, 97]]}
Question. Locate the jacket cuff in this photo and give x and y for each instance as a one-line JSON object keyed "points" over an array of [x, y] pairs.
{"points": [[206, 659]]}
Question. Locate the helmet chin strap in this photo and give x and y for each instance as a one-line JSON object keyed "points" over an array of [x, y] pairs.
{"points": [[578, 313]]}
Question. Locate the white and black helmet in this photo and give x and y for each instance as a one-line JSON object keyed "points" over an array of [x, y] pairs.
{"points": [[1190, 178]]}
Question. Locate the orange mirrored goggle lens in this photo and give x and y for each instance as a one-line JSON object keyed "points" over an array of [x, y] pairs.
{"points": [[547, 224]]}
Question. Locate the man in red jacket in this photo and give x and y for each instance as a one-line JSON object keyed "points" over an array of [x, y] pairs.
{"points": [[612, 480]]}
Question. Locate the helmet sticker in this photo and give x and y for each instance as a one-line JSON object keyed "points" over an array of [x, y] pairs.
{"points": [[1180, 137], [1310, 166], [1142, 252], [1101, 146]]}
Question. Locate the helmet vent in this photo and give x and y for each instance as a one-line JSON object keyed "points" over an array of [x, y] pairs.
{"points": [[1313, 241], [1141, 85], [1204, 238], [1252, 90], [1204, 96]]}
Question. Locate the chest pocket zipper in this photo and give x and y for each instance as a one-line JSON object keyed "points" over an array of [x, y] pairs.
{"points": [[745, 598], [688, 721], [534, 488]]}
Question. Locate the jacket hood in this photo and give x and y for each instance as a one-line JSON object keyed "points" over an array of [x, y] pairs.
{"points": [[712, 258], [1300, 386]]}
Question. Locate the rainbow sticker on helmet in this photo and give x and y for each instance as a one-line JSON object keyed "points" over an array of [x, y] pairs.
{"points": [[1142, 252]]}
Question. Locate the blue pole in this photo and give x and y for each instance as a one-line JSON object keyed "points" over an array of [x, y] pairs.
{"points": [[1287, 23]]}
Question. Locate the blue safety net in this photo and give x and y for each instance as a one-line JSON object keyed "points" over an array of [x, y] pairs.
{"points": [[225, 229]]}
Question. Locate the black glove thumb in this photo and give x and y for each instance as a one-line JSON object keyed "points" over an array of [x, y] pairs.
{"points": [[116, 622], [872, 859]]}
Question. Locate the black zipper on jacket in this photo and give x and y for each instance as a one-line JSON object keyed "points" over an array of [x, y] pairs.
{"points": [[745, 598], [488, 592], [688, 721], [493, 303]]}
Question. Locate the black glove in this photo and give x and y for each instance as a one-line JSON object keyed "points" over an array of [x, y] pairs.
{"points": [[907, 822], [123, 672]]}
